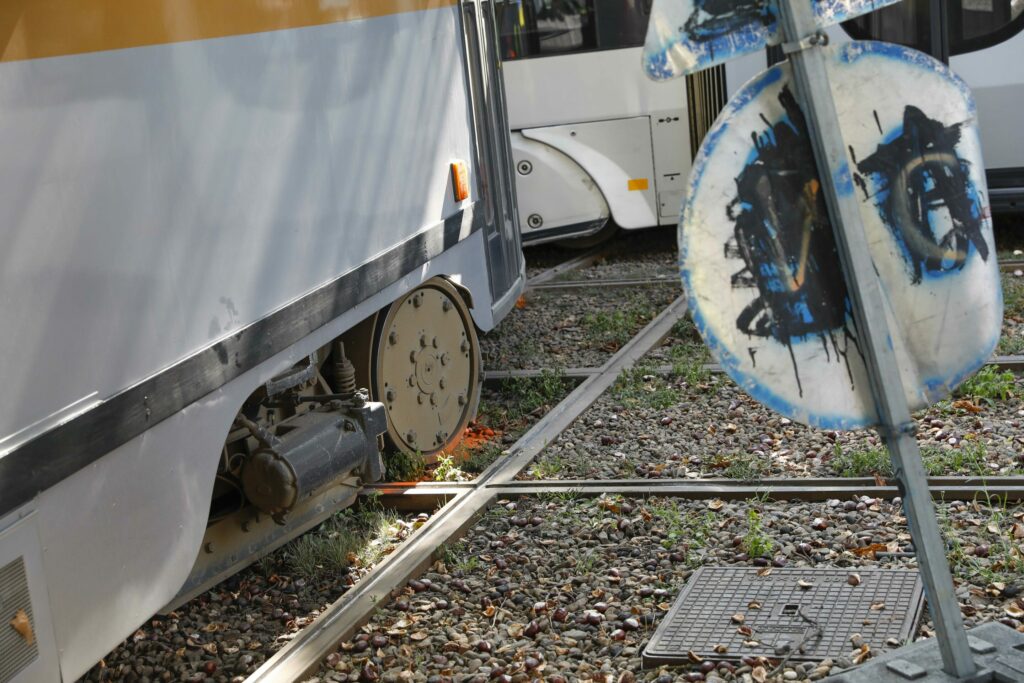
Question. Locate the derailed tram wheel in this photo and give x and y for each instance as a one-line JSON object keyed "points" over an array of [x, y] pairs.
{"points": [[427, 368]]}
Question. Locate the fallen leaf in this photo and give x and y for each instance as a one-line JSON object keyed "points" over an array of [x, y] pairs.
{"points": [[515, 629], [964, 404], [870, 550], [716, 504], [806, 585], [521, 302], [23, 626], [489, 611], [863, 654], [764, 571], [853, 579], [877, 606], [1014, 611], [753, 604], [694, 657], [879, 479], [993, 528], [745, 631], [419, 635], [721, 649], [759, 674], [738, 618], [1018, 530]]}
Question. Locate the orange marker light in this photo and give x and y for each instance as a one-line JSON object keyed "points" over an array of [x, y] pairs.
{"points": [[460, 180]]}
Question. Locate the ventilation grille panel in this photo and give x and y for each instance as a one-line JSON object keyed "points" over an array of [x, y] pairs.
{"points": [[15, 651]]}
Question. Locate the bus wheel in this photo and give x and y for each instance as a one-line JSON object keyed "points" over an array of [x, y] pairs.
{"points": [[600, 237], [426, 369]]}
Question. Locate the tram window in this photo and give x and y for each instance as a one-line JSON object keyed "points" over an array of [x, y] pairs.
{"points": [[973, 24], [541, 28]]}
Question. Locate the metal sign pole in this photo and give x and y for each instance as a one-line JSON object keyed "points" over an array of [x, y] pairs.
{"points": [[802, 34]]}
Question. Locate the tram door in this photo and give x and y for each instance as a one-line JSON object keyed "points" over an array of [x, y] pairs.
{"points": [[493, 148]]}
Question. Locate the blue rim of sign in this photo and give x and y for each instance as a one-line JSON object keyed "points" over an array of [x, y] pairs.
{"points": [[934, 388]]}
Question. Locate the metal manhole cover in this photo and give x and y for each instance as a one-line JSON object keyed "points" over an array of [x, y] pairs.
{"points": [[886, 604]]}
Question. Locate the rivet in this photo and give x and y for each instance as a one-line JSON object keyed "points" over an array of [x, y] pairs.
{"points": [[439, 437], [412, 380], [446, 305], [412, 356], [419, 399], [423, 340], [350, 426], [208, 547], [445, 358], [464, 347], [462, 399], [433, 399], [389, 394], [417, 300], [441, 383], [392, 337], [410, 436], [433, 342]]}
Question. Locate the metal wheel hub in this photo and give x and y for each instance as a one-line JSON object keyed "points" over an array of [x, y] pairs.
{"points": [[427, 369]]}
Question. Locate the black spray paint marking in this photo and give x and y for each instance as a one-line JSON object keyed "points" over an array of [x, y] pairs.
{"points": [[713, 19], [785, 240], [925, 195]]}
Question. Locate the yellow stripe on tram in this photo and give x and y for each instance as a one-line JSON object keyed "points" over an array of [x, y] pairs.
{"points": [[31, 29]]}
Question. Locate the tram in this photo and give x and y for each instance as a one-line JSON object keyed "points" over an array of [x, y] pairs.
{"points": [[221, 222], [598, 146]]}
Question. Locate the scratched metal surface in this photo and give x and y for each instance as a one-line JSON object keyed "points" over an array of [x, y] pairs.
{"points": [[685, 36], [758, 259]]}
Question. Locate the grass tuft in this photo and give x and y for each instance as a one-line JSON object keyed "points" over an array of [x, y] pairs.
{"points": [[989, 385]]}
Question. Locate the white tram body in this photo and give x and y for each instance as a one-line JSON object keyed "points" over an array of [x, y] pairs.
{"points": [[197, 200], [596, 143]]}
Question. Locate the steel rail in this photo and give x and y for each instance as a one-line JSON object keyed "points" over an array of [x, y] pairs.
{"points": [[583, 260], [340, 620], [1014, 363], [610, 282], [1010, 265], [423, 497]]}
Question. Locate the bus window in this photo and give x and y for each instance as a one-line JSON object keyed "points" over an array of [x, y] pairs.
{"points": [[973, 24], [541, 28]]}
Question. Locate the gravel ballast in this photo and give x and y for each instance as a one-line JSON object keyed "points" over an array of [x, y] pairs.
{"points": [[563, 589], [650, 426], [572, 328]]}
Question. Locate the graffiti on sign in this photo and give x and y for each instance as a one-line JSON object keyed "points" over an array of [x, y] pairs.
{"points": [[755, 217], [784, 238], [920, 177]]}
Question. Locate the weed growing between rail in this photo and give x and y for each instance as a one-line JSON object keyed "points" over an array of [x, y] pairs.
{"points": [[988, 385], [991, 552], [401, 466], [613, 329], [641, 387], [356, 536]]}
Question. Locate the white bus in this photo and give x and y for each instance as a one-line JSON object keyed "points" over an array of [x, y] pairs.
{"points": [[598, 146]]}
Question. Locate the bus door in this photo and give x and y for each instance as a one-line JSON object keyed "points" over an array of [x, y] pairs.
{"points": [[493, 151]]}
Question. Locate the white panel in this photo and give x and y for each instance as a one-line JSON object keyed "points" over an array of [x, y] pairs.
{"points": [[154, 200], [612, 153], [556, 189], [591, 86]]}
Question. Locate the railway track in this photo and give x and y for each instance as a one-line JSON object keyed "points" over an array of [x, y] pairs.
{"points": [[462, 504]]}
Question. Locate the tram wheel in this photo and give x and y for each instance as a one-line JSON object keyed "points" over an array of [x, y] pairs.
{"points": [[426, 368], [600, 237]]}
